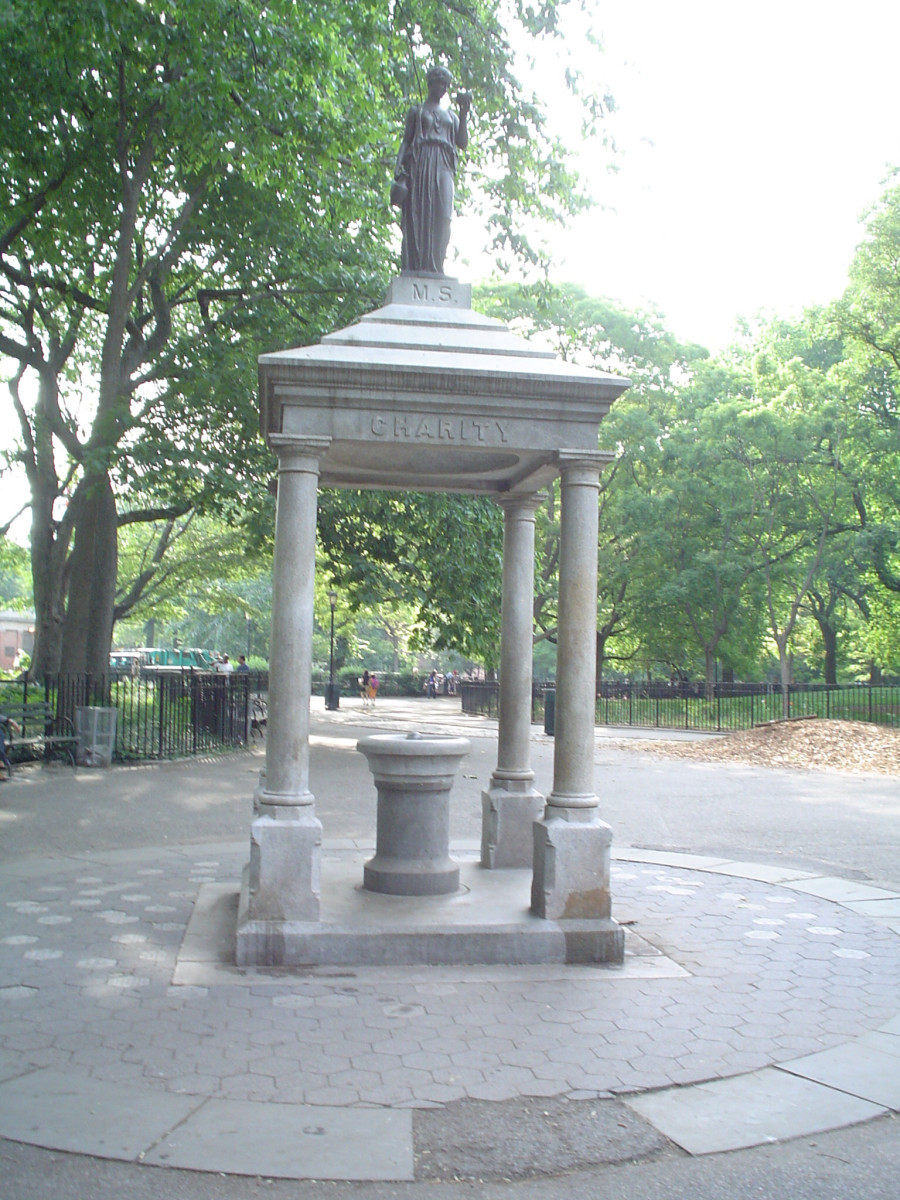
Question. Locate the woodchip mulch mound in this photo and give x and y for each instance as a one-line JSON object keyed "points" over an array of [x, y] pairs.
{"points": [[810, 744]]}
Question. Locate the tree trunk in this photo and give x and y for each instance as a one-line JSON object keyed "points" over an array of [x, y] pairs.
{"points": [[784, 663], [829, 641], [49, 538], [48, 581], [87, 632], [709, 658]]}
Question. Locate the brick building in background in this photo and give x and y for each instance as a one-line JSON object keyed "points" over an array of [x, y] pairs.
{"points": [[16, 636]]}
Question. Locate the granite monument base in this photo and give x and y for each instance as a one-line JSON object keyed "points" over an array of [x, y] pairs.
{"points": [[487, 921], [509, 810], [571, 865], [284, 872]]}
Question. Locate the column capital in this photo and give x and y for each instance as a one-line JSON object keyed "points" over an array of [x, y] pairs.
{"points": [[523, 502], [298, 453], [587, 460]]}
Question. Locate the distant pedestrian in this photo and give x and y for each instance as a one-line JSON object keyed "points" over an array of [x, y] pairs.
{"points": [[373, 688], [225, 666], [431, 686], [242, 668], [364, 688]]}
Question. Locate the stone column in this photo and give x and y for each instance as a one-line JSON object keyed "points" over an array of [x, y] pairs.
{"points": [[571, 843], [286, 834], [510, 805]]}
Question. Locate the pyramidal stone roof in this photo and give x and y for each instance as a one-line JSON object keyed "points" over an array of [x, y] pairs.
{"points": [[424, 394]]}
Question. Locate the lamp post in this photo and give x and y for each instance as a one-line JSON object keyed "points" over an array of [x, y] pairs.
{"points": [[332, 700]]}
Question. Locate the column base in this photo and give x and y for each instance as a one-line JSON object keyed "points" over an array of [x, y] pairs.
{"points": [[509, 809], [284, 876], [409, 877], [571, 865]]}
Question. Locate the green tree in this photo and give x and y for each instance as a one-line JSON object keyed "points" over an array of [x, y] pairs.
{"points": [[685, 521], [868, 319], [634, 343], [439, 555], [786, 447], [185, 184], [736, 489], [174, 569], [15, 575]]}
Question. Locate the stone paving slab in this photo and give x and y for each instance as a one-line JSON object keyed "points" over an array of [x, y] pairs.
{"points": [[65, 1111], [91, 991], [763, 872], [294, 1141], [843, 891], [867, 1067], [749, 1110], [884, 910], [669, 858]]}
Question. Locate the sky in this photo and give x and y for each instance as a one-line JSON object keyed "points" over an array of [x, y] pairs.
{"points": [[751, 140]]}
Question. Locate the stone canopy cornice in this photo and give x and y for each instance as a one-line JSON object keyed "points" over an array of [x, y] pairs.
{"points": [[426, 393]]}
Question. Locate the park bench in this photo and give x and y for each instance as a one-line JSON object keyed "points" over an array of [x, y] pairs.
{"points": [[41, 730]]}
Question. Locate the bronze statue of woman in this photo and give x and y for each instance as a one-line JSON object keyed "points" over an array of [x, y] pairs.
{"points": [[424, 174]]}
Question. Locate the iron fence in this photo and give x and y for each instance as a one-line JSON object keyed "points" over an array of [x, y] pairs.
{"points": [[726, 708], [483, 699], [170, 712], [178, 712]]}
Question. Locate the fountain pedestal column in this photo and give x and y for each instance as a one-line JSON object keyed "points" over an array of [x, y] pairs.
{"points": [[413, 776]]}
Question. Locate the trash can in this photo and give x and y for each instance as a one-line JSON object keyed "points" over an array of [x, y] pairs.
{"points": [[550, 712], [332, 696], [95, 729]]}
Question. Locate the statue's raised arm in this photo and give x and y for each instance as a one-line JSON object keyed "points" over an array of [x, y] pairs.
{"points": [[425, 172]]}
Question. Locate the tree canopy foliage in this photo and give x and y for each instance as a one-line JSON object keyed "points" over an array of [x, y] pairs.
{"points": [[186, 183], [868, 318]]}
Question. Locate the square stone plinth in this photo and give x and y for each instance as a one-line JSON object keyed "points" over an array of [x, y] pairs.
{"points": [[488, 920], [284, 875], [571, 866], [508, 814]]}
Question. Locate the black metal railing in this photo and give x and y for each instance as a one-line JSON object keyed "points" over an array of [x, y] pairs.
{"points": [[726, 707], [179, 712], [483, 699], [160, 713]]}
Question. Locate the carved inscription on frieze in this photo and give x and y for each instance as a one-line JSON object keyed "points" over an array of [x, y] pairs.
{"points": [[460, 431], [437, 294]]}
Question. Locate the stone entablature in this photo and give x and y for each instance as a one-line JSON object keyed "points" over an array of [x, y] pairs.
{"points": [[425, 394]]}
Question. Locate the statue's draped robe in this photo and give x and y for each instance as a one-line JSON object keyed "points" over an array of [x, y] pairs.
{"points": [[430, 164]]}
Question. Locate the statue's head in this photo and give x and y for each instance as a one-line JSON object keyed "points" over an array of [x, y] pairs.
{"points": [[439, 75]]}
